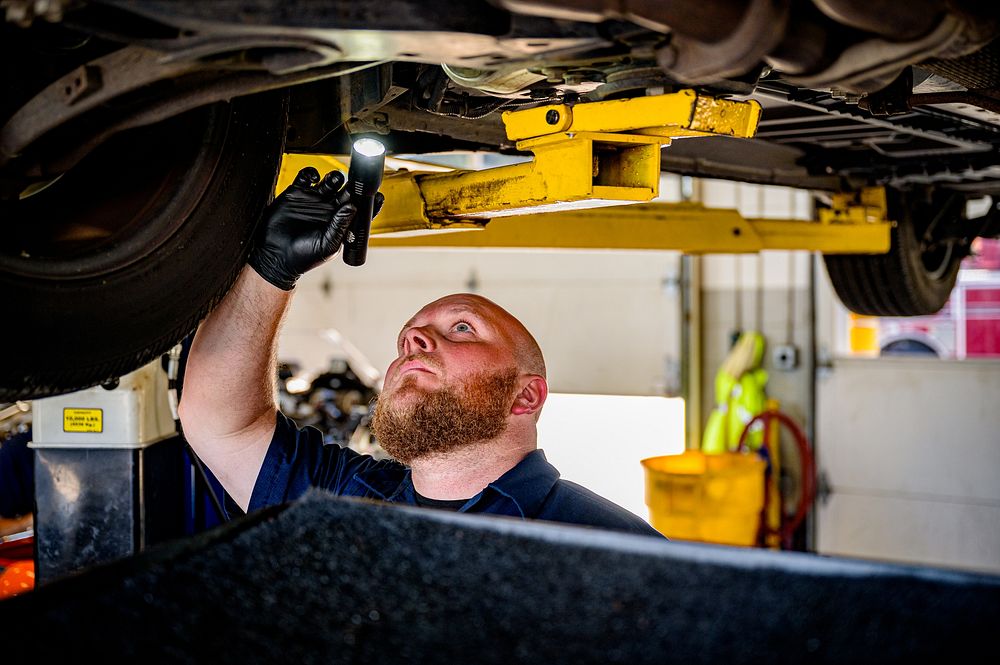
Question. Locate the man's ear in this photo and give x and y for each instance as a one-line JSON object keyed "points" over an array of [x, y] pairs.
{"points": [[531, 397]]}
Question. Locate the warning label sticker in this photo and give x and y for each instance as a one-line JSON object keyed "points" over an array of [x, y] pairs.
{"points": [[83, 420]]}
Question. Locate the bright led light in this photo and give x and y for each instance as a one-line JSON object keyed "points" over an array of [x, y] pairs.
{"points": [[297, 385], [369, 147]]}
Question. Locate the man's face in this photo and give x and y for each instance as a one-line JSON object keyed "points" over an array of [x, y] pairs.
{"points": [[452, 383], [444, 344]]}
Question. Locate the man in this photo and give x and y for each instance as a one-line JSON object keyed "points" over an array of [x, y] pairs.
{"points": [[458, 409]]}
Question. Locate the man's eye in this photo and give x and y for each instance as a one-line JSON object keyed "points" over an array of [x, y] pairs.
{"points": [[462, 327]]}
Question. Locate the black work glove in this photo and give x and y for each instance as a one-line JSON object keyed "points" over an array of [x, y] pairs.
{"points": [[303, 227]]}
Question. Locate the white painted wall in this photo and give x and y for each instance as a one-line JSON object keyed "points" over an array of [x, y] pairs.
{"points": [[911, 448], [607, 322], [773, 269], [599, 440], [832, 318], [911, 451]]}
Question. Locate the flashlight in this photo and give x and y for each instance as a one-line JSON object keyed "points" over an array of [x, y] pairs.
{"points": [[363, 180]]}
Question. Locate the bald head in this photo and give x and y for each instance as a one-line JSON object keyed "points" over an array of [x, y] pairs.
{"points": [[522, 344]]}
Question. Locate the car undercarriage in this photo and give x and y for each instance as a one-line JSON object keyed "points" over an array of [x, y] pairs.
{"points": [[125, 127]]}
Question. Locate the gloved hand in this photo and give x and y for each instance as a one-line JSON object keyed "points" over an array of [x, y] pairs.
{"points": [[303, 227]]}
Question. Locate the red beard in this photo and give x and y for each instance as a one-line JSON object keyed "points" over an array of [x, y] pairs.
{"points": [[446, 419]]}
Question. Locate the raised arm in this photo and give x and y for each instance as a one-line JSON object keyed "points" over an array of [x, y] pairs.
{"points": [[228, 401]]}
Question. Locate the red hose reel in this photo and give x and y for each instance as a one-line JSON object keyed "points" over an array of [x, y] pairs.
{"points": [[788, 523]]}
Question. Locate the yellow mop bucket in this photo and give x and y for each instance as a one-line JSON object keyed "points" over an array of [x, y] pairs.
{"points": [[711, 498]]}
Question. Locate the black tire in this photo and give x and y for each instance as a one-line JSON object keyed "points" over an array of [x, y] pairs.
{"points": [[174, 206], [908, 280]]}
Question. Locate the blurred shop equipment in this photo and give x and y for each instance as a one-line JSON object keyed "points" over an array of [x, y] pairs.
{"points": [[739, 396], [728, 492], [732, 497], [109, 473], [335, 400], [710, 498], [787, 524], [716, 494], [14, 417]]}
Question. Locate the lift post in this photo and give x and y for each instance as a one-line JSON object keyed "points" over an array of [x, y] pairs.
{"points": [[108, 473]]}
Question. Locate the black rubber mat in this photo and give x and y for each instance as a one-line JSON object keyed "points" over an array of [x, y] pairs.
{"points": [[331, 580]]}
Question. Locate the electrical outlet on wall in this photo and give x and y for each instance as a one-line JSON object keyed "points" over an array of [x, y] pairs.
{"points": [[785, 357]]}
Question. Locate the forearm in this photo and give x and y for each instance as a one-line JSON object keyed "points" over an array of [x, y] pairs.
{"points": [[228, 399], [231, 367]]}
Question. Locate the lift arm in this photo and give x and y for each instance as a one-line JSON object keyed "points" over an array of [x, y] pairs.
{"points": [[687, 227], [591, 156], [588, 155]]}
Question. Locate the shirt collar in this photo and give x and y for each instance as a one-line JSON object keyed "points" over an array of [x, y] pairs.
{"points": [[391, 483], [526, 484]]}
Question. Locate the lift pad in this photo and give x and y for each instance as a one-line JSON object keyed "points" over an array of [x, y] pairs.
{"points": [[676, 115]]}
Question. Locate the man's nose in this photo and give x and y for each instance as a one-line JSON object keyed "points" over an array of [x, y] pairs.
{"points": [[418, 339]]}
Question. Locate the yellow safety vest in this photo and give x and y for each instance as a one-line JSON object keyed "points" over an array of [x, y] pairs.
{"points": [[739, 396]]}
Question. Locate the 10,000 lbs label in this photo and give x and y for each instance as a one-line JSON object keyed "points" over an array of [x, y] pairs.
{"points": [[83, 420]]}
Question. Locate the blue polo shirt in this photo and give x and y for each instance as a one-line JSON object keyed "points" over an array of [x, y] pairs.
{"points": [[297, 459]]}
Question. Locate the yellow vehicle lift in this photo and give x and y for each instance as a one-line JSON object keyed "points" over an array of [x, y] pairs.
{"points": [[687, 227], [601, 153], [587, 157]]}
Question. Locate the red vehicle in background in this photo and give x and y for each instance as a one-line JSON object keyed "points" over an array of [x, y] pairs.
{"points": [[967, 327]]}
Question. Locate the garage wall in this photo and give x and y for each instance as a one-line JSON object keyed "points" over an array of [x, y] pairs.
{"points": [[768, 292], [607, 322], [756, 293], [910, 451]]}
